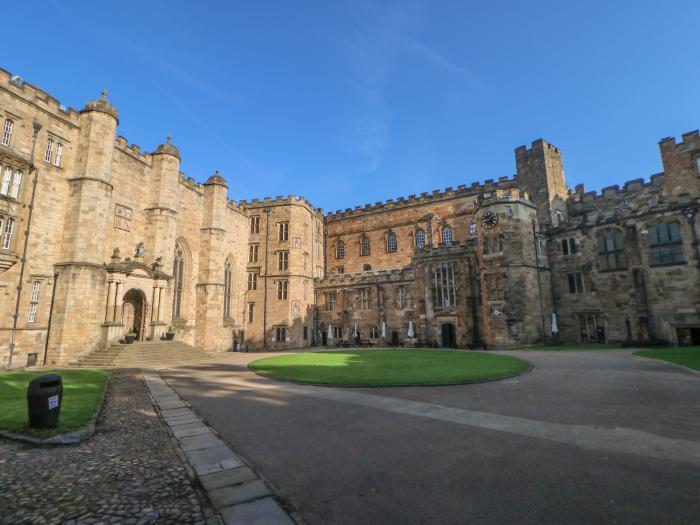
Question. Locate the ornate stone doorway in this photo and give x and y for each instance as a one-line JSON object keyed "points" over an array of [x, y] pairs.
{"points": [[134, 309], [449, 339]]}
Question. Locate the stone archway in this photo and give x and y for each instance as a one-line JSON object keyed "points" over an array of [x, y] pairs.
{"points": [[134, 312]]}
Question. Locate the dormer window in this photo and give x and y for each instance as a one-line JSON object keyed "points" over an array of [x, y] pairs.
{"points": [[7, 132]]}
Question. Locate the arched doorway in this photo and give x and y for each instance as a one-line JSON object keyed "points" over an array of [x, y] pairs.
{"points": [[449, 339], [134, 310]]}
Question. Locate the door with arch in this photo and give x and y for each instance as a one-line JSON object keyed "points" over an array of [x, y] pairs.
{"points": [[449, 338], [134, 312]]}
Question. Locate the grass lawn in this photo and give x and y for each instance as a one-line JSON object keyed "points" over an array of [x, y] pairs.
{"points": [[385, 367], [572, 346], [82, 392], [687, 355]]}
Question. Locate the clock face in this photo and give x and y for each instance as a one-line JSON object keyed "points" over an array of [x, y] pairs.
{"points": [[489, 219]]}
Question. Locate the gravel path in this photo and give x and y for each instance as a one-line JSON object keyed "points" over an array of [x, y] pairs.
{"points": [[127, 473]]}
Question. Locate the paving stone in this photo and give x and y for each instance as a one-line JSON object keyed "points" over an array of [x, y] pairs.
{"points": [[227, 478], [213, 455], [176, 412], [261, 512], [180, 420], [194, 431], [207, 468], [200, 442], [168, 405], [176, 427], [237, 494]]}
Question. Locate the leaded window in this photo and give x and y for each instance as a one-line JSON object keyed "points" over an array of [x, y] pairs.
{"points": [[665, 244], [16, 182], [444, 287], [403, 298], [252, 280], [363, 299], [282, 260], [253, 253], [283, 231], [364, 246], [7, 239], [6, 181], [391, 242], [611, 251], [340, 250], [34, 302], [420, 238], [178, 281], [59, 154], [255, 224], [447, 235], [282, 289], [49, 150], [7, 132], [331, 298]]}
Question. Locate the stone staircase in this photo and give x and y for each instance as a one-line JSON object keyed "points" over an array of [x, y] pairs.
{"points": [[147, 354]]}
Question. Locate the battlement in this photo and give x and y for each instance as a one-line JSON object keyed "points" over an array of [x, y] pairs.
{"points": [[133, 150], [536, 148], [508, 195], [424, 198], [190, 183], [370, 277], [688, 140], [34, 95], [280, 200]]}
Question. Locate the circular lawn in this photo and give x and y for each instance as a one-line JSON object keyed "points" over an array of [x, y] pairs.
{"points": [[390, 367]]}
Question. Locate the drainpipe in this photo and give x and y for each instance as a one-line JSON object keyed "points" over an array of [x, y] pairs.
{"points": [[267, 238], [539, 278], [22, 264], [48, 327]]}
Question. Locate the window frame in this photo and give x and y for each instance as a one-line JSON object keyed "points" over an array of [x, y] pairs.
{"points": [[365, 246], [8, 233], [48, 153], [282, 289], [419, 238], [331, 301], [447, 235], [340, 250], [227, 288], [617, 253], [255, 224], [283, 231], [178, 281], [58, 155], [253, 252], [392, 244], [7, 129], [34, 302], [252, 282], [661, 246], [445, 285], [250, 313], [283, 260]]}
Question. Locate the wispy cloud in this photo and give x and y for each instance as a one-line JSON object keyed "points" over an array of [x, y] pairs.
{"points": [[429, 54]]}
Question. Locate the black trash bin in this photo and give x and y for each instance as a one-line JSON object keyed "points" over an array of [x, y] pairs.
{"points": [[44, 396]]}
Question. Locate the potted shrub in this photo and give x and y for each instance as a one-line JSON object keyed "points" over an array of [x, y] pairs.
{"points": [[170, 334], [130, 336]]}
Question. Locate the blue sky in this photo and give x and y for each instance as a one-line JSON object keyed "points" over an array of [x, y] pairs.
{"points": [[349, 102]]}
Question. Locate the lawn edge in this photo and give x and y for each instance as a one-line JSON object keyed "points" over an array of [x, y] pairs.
{"points": [[664, 361], [69, 438], [530, 368]]}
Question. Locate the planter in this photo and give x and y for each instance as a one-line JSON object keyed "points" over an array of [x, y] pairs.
{"points": [[128, 339], [169, 336]]}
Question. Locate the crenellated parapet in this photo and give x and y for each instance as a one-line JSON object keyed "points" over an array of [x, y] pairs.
{"points": [[37, 97], [190, 183], [281, 201], [133, 150], [366, 278], [437, 195]]}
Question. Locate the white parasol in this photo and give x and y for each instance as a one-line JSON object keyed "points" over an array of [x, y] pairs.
{"points": [[555, 328], [410, 329], [330, 332], [383, 330]]}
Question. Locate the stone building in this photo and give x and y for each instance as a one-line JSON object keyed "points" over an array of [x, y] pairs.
{"points": [[98, 237]]}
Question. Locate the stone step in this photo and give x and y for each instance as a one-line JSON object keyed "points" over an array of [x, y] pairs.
{"points": [[144, 353]]}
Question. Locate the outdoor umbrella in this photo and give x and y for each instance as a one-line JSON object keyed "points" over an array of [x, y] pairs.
{"points": [[330, 332], [555, 328], [354, 331], [383, 330], [410, 329]]}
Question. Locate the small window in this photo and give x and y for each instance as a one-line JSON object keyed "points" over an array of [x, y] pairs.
{"points": [[255, 224], [252, 280], [391, 242], [568, 246], [611, 253], [49, 150], [34, 302], [697, 164], [364, 246], [363, 299], [575, 283], [420, 238], [282, 289], [7, 132], [253, 253], [283, 260], [59, 155], [447, 235], [340, 250], [331, 298], [374, 332], [283, 231], [281, 334], [7, 241], [340, 269], [403, 298], [306, 333], [251, 309], [472, 229], [367, 268]]}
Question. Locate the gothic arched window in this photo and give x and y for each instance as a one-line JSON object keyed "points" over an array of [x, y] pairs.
{"points": [[447, 235], [227, 289], [420, 238], [178, 280], [391, 242], [364, 246]]}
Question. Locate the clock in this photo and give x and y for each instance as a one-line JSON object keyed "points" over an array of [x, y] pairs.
{"points": [[489, 220]]}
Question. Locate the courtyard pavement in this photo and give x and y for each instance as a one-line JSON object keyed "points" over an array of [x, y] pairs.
{"points": [[586, 437]]}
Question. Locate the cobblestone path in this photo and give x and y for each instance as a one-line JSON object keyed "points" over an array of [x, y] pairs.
{"points": [[127, 473]]}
